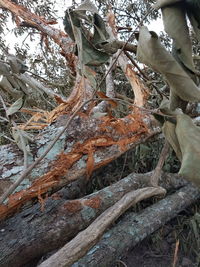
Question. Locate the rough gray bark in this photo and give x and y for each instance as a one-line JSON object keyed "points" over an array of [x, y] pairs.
{"points": [[31, 233], [79, 246], [133, 228], [80, 130]]}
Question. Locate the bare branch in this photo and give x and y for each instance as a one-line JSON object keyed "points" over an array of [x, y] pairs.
{"points": [[79, 246]]}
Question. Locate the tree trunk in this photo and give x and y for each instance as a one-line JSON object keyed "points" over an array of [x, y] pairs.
{"points": [[87, 145]]}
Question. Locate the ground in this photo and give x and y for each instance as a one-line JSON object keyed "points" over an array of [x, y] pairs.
{"points": [[158, 250]]}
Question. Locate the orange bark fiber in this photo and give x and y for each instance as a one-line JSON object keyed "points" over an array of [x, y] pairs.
{"points": [[123, 131]]}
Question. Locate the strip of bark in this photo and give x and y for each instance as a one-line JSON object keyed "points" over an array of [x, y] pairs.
{"points": [[133, 228], [32, 233], [86, 239]]}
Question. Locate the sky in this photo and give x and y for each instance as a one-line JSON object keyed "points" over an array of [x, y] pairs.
{"points": [[156, 26]]}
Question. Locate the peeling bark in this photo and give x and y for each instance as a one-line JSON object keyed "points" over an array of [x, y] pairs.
{"points": [[140, 91], [59, 167]]}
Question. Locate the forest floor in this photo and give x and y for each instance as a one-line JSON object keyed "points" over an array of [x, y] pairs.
{"points": [[159, 249]]}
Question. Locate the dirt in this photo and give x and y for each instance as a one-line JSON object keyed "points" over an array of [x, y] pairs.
{"points": [[144, 255], [156, 252]]}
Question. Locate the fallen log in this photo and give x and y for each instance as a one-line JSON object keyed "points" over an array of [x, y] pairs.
{"points": [[86, 239], [134, 227], [88, 144], [32, 233]]}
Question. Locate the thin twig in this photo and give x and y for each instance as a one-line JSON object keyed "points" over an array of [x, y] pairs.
{"points": [[157, 172], [176, 254], [121, 262], [125, 159]]}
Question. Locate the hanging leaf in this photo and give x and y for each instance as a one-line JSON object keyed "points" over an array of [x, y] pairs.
{"points": [[184, 137], [87, 5], [68, 25], [188, 135], [174, 18], [15, 107], [89, 45], [169, 132], [100, 33], [192, 8], [195, 25], [92, 56], [151, 52]]}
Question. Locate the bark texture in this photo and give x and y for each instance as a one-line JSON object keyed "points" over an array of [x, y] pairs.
{"points": [[32, 233], [87, 145], [134, 227]]}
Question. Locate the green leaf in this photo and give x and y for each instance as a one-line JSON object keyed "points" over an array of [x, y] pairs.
{"points": [[151, 52], [184, 137], [15, 107], [88, 52], [92, 56], [100, 33], [169, 132], [174, 18], [188, 135]]}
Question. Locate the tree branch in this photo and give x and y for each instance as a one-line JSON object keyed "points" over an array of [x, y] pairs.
{"points": [[86, 239]]}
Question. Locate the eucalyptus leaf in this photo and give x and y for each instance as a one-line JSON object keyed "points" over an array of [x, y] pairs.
{"points": [[22, 139], [87, 5], [195, 25], [152, 53], [100, 33], [177, 102], [87, 52], [68, 25], [184, 137], [169, 132], [174, 18], [188, 135], [15, 107], [91, 55]]}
